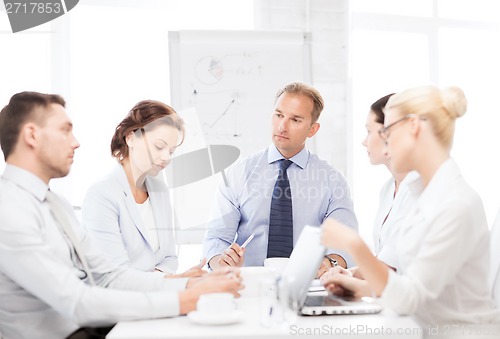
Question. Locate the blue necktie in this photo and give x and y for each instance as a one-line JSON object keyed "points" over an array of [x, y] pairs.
{"points": [[280, 241]]}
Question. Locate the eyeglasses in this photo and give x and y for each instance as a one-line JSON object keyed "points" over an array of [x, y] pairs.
{"points": [[384, 132]]}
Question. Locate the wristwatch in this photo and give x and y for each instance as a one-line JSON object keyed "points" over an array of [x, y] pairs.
{"points": [[332, 261]]}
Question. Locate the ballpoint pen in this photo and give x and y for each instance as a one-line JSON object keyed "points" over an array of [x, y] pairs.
{"points": [[248, 240]]}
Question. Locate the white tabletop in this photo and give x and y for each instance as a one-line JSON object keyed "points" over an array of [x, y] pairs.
{"points": [[383, 325]]}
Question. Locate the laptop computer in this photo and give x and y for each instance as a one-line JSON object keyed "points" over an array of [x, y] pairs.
{"points": [[300, 271]]}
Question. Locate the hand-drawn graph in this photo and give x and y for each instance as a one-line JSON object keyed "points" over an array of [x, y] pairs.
{"points": [[231, 78]]}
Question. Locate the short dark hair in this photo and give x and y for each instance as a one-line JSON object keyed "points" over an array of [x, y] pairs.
{"points": [[378, 108], [20, 110], [144, 115], [299, 88]]}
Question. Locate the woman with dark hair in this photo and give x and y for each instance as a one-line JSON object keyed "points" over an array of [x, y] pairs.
{"points": [[395, 198], [128, 213]]}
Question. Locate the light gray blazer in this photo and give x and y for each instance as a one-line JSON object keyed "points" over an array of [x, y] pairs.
{"points": [[113, 220]]}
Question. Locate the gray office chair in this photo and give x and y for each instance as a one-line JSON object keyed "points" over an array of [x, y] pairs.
{"points": [[495, 260]]}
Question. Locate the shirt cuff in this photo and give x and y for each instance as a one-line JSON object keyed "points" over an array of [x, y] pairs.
{"points": [[215, 249], [165, 304], [175, 284], [393, 292]]}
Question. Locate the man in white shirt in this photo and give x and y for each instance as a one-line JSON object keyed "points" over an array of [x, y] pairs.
{"points": [[52, 279]]}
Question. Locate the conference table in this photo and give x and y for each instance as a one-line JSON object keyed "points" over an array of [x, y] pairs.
{"points": [[382, 325]]}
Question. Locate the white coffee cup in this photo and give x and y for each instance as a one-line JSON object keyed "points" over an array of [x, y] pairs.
{"points": [[251, 276], [213, 303], [276, 264]]}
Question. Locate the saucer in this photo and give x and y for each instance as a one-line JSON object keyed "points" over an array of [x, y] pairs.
{"points": [[215, 319]]}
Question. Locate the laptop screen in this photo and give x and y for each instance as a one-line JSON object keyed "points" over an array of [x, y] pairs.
{"points": [[304, 262]]}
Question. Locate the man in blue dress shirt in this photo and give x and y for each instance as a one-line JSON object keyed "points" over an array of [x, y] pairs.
{"points": [[318, 190]]}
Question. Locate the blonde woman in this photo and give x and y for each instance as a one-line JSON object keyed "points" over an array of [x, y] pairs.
{"points": [[442, 245]]}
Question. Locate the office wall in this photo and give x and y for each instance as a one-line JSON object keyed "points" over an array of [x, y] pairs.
{"points": [[327, 21]]}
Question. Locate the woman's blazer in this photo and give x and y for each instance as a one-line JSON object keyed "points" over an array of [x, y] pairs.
{"points": [[111, 216]]}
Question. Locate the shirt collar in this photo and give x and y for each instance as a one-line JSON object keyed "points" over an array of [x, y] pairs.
{"points": [[412, 176], [300, 159], [431, 196], [26, 180], [121, 177]]}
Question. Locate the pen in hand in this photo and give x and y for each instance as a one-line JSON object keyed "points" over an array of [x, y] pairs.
{"points": [[242, 247], [248, 240]]}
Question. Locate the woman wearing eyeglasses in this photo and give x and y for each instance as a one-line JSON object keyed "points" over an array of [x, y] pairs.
{"points": [[128, 213], [442, 246]]}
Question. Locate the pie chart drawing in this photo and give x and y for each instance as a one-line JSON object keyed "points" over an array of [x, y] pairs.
{"points": [[209, 70]]}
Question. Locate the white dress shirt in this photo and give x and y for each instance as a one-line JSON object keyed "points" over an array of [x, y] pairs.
{"points": [[392, 209], [149, 221], [41, 294], [442, 249]]}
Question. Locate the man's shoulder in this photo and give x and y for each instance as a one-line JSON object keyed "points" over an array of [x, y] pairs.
{"points": [[321, 171], [316, 163], [10, 192], [250, 160], [14, 201]]}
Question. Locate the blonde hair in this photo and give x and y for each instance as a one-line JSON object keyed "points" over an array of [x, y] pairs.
{"points": [[440, 106]]}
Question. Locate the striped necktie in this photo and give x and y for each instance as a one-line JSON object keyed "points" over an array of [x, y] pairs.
{"points": [[280, 241], [64, 224]]}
